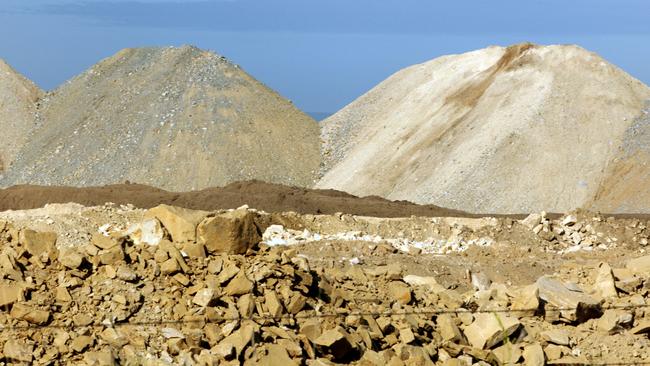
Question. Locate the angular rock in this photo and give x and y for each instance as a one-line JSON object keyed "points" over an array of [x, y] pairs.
{"points": [[99, 358], [18, 351], [488, 329], [38, 244], [273, 303], [239, 285], [573, 305], [614, 320], [70, 258], [640, 265], [80, 343], [231, 232], [556, 336], [534, 355], [29, 314], [181, 223], [605, 285], [506, 354], [449, 330], [105, 242], [335, 342], [429, 282], [399, 292], [203, 297], [11, 293], [277, 356]]}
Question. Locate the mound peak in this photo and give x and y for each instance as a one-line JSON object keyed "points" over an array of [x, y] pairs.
{"points": [[502, 129], [179, 118]]}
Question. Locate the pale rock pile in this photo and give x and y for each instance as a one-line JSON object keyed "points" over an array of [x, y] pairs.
{"points": [[568, 234], [192, 287], [514, 129], [456, 242]]}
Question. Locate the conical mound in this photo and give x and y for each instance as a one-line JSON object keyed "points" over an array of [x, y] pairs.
{"points": [[502, 130], [18, 98], [176, 118]]}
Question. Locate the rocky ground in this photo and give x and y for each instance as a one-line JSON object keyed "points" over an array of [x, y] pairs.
{"points": [[114, 284]]}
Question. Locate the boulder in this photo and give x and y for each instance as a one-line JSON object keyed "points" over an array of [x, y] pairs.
{"points": [[489, 329], [232, 232], [573, 305], [180, 223]]}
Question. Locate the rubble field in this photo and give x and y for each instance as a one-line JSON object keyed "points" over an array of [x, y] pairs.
{"points": [[115, 284]]}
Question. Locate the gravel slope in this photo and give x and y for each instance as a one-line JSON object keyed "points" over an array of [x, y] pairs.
{"points": [[18, 98], [502, 130], [176, 118]]}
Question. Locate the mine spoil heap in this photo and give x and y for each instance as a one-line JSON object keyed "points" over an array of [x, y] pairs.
{"points": [[18, 104], [176, 118], [501, 130], [192, 287]]}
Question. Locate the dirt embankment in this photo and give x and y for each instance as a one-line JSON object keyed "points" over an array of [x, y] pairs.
{"points": [[264, 196]]}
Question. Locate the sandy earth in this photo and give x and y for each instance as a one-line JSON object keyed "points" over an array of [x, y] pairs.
{"points": [[502, 130]]}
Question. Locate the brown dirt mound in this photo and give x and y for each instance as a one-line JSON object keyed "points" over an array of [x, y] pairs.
{"points": [[265, 196]]}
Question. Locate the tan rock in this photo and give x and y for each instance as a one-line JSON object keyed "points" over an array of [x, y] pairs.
{"points": [[80, 343], [399, 292], [488, 329], [18, 351], [203, 297], [105, 242], [125, 273], [231, 232], [11, 293], [574, 305], [614, 320], [181, 223], [311, 329], [62, 295], [70, 258], [642, 328], [38, 243], [273, 303], [335, 343], [406, 335], [99, 358], [554, 352], [449, 330], [429, 282], [534, 355], [605, 285], [82, 319], [277, 356], [640, 265], [29, 314], [506, 354], [556, 336], [246, 305], [111, 256], [239, 285], [170, 266], [525, 301], [194, 250]]}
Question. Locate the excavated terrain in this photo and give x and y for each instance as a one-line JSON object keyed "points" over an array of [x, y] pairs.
{"points": [[113, 284], [499, 130], [176, 118]]}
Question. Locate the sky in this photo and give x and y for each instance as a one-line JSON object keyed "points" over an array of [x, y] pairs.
{"points": [[320, 54]]}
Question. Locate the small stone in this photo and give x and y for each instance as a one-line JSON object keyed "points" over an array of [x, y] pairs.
{"points": [[70, 258], [125, 273], [29, 314], [82, 320], [101, 358], [273, 303], [534, 355], [556, 336], [334, 342], [11, 293], [429, 282], [80, 343], [569, 220], [406, 335], [182, 279], [194, 250], [111, 256], [449, 330], [18, 351], [614, 320], [239, 285], [532, 220], [105, 242], [507, 354], [62, 295], [277, 356], [605, 285], [169, 267], [489, 329], [399, 292], [203, 297], [554, 352], [172, 333]]}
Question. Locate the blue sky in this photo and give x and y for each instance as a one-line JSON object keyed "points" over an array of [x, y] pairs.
{"points": [[320, 54]]}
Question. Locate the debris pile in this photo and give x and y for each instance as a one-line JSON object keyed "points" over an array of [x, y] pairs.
{"points": [[194, 287]]}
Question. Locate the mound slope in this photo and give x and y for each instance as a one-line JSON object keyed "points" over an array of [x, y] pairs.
{"points": [[18, 98], [177, 118], [517, 129]]}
